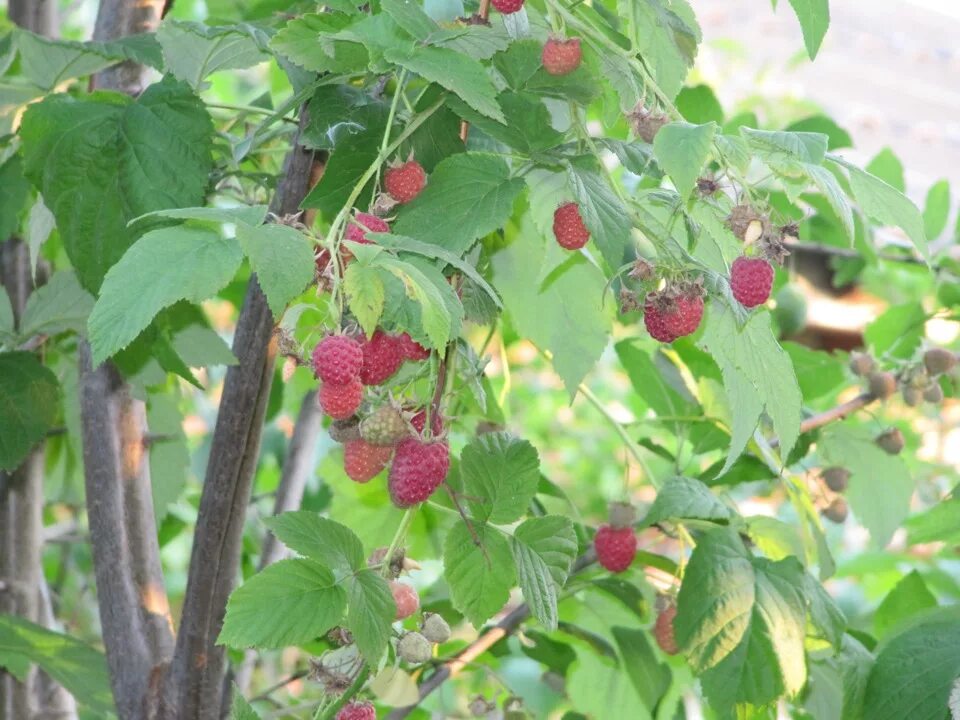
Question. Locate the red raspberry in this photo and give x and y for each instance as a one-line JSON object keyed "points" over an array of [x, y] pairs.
{"points": [[561, 57], [357, 711], [406, 599], [337, 359], [616, 547], [654, 321], [419, 422], [418, 469], [412, 350], [404, 182], [367, 223], [341, 401], [663, 630], [751, 280], [382, 357], [363, 461], [568, 227], [685, 316], [507, 7]]}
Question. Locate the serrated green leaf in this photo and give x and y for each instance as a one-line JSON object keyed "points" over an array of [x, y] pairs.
{"points": [[289, 603], [410, 16], [647, 382], [282, 257], [682, 150], [480, 577], [308, 41], [434, 315], [500, 475], [814, 17], [318, 538], [193, 51], [526, 126], [907, 598], [837, 684], [458, 73], [105, 160], [59, 305], [28, 405], [601, 210], [14, 191], [241, 214], [467, 196], [544, 549], [370, 613], [599, 686], [828, 185], [880, 484], [365, 294], [478, 41], [666, 34], [758, 377], [915, 671], [939, 523], [78, 667], [741, 622], [682, 498], [628, 86], [897, 331], [936, 209], [162, 267], [240, 709], [200, 346], [650, 676], [818, 373]]}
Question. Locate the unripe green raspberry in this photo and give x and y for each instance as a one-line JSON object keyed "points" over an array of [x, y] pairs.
{"points": [[939, 361], [882, 385], [836, 478], [891, 441], [933, 393], [385, 426], [912, 396], [862, 364], [435, 628], [837, 510], [414, 648]]}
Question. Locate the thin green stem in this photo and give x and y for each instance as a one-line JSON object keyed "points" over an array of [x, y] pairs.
{"points": [[330, 711], [398, 537]]}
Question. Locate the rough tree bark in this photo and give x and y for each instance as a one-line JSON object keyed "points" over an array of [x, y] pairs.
{"points": [[134, 611], [199, 664]]}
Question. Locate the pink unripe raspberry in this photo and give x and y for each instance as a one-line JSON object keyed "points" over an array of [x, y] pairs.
{"points": [[561, 57], [406, 599]]}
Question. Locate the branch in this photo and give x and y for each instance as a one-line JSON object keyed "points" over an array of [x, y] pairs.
{"points": [[507, 626], [198, 665], [836, 413], [115, 19]]}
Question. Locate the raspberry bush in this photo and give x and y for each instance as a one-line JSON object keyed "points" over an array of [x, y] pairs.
{"points": [[515, 267]]}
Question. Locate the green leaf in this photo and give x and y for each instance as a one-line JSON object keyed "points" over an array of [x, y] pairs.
{"points": [[240, 709], [105, 160], [814, 17], [936, 209], [649, 384], [78, 667], [200, 346], [699, 105], [682, 498], [939, 523], [526, 126], [500, 476], [682, 150], [830, 187], [434, 313], [478, 41], [837, 683], [915, 671], [282, 257], [365, 294], [28, 405], [289, 603], [666, 34], [169, 457], [758, 377], [908, 597], [837, 136], [544, 549], [480, 577], [880, 484], [468, 196], [601, 210], [628, 86], [252, 215], [818, 373], [370, 613], [887, 205], [326, 541], [410, 16], [56, 307], [162, 267], [650, 676], [786, 152], [741, 621], [7, 325], [898, 331], [307, 41], [459, 74], [14, 191], [887, 166], [603, 689], [193, 51]]}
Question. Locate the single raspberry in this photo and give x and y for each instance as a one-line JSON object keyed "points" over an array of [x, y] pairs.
{"points": [[561, 57], [363, 461], [751, 280], [616, 547], [382, 357], [837, 510], [836, 478], [357, 232], [654, 321], [414, 648], [645, 122], [385, 426], [933, 393], [357, 711], [404, 182], [337, 359], [663, 630], [419, 422], [341, 401], [882, 385], [862, 364], [411, 349], [912, 396], [507, 7], [568, 227], [891, 441], [939, 361], [406, 599], [418, 469], [748, 224], [685, 316], [435, 628]]}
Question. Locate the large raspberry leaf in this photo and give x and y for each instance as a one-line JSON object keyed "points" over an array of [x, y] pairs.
{"points": [[192, 51], [682, 150], [28, 405], [838, 682], [908, 597], [880, 484], [311, 42], [289, 603], [104, 160], [365, 293], [282, 257], [480, 576], [544, 549], [814, 17], [56, 307], [666, 34], [500, 476], [326, 541], [683, 498], [741, 621], [370, 613]]}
